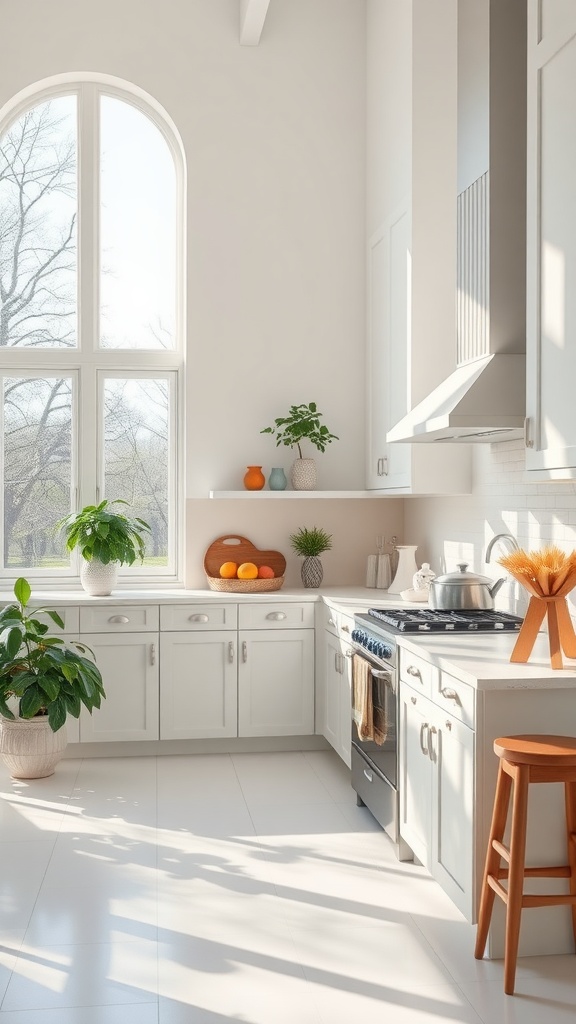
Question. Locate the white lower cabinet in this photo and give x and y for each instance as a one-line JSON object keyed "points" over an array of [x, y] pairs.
{"points": [[129, 666], [437, 790], [199, 694], [276, 682], [334, 682]]}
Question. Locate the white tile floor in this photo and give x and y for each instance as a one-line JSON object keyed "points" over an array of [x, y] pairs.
{"points": [[200, 890]]}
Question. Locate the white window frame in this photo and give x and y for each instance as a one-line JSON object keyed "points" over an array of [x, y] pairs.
{"points": [[88, 361]]}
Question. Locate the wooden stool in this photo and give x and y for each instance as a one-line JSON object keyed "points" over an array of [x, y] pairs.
{"points": [[525, 759]]}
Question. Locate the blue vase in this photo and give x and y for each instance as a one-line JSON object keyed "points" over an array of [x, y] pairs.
{"points": [[277, 479]]}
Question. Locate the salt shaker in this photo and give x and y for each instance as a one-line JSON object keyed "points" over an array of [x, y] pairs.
{"points": [[423, 578]]}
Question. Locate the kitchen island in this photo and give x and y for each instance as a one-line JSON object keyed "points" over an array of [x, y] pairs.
{"points": [[458, 694]]}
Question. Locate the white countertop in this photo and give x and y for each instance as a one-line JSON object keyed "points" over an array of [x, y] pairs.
{"points": [[483, 660], [346, 597]]}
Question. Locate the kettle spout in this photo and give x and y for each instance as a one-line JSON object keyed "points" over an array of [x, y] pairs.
{"points": [[496, 586]]}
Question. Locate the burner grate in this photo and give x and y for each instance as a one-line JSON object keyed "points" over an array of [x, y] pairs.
{"points": [[425, 620]]}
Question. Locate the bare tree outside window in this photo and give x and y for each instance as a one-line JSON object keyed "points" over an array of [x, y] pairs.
{"points": [[38, 227], [136, 421]]}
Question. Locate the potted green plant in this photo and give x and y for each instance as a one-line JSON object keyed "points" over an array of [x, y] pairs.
{"points": [[43, 679], [302, 423], [106, 539], [310, 544]]}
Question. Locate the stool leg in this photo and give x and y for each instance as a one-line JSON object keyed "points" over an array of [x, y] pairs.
{"points": [[499, 817], [516, 874], [570, 798]]}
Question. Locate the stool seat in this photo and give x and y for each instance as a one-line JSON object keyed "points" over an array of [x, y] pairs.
{"points": [[551, 751], [524, 760]]}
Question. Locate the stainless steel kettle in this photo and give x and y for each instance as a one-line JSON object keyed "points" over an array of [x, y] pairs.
{"points": [[462, 590]]}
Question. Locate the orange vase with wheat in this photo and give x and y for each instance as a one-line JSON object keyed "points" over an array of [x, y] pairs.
{"points": [[548, 575]]}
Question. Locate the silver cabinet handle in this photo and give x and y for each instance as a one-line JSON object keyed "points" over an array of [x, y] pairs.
{"points": [[450, 694], [152, 654], [276, 616], [412, 670], [198, 618], [368, 775], [425, 728], [336, 656], [244, 651], [414, 699], [448, 724], [230, 650], [345, 629], [331, 622], [350, 653], [528, 441], [119, 618], [433, 753]]}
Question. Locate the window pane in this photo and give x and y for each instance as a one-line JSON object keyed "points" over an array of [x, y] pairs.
{"points": [[38, 199], [137, 223], [137, 453], [37, 469]]}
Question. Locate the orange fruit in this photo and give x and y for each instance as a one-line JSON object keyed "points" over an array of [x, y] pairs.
{"points": [[247, 571], [265, 572], [228, 570]]}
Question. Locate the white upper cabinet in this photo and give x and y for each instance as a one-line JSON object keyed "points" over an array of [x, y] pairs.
{"points": [[409, 198], [551, 239]]}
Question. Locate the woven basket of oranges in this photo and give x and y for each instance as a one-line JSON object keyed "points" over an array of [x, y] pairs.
{"points": [[233, 565]]}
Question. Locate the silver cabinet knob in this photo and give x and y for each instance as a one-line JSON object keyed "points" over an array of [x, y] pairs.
{"points": [[450, 694], [122, 619], [198, 618], [276, 616], [412, 670]]}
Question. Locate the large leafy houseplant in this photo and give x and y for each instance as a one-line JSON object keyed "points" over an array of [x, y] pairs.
{"points": [[301, 423], [104, 534], [42, 675]]}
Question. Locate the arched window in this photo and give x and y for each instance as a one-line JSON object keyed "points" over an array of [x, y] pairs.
{"points": [[91, 324]]}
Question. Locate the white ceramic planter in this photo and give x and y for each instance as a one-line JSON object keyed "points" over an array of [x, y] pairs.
{"points": [[29, 748], [98, 579], [303, 475]]}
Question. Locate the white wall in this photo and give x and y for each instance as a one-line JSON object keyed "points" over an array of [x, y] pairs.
{"points": [[275, 144], [450, 530]]}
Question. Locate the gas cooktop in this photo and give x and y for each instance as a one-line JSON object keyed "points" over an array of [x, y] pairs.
{"points": [[427, 620]]}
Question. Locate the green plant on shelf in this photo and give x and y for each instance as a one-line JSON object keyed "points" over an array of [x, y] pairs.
{"points": [[301, 423]]}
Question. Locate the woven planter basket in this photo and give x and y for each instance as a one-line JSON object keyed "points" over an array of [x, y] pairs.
{"points": [[233, 548]]}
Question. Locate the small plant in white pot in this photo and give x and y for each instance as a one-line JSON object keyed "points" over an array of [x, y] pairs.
{"points": [[106, 539], [310, 544], [43, 679], [302, 423]]}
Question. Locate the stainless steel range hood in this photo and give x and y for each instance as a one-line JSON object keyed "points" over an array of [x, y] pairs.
{"points": [[483, 400]]}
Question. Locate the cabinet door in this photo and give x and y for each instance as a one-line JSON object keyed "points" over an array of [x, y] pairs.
{"points": [[345, 745], [276, 682], [551, 238], [199, 685], [452, 757], [129, 667], [388, 465], [415, 783], [331, 730]]}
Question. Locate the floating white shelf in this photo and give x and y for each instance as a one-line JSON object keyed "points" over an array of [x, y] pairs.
{"points": [[278, 495]]}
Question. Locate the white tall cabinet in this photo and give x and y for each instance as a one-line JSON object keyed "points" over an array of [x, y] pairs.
{"points": [[551, 240], [411, 265]]}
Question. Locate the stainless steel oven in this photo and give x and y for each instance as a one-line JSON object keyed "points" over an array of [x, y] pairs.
{"points": [[375, 767]]}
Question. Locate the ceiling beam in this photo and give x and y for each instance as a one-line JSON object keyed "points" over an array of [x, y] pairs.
{"points": [[252, 18]]}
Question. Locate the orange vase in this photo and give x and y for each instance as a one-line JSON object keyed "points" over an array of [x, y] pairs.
{"points": [[254, 478]]}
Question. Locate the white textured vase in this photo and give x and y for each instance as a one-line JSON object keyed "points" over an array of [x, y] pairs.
{"points": [[406, 568], [29, 748], [303, 475], [98, 579]]}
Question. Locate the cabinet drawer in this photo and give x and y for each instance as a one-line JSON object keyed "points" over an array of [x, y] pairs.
{"points": [[70, 617], [418, 673], [121, 618], [337, 622], [456, 698], [275, 616], [198, 616]]}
